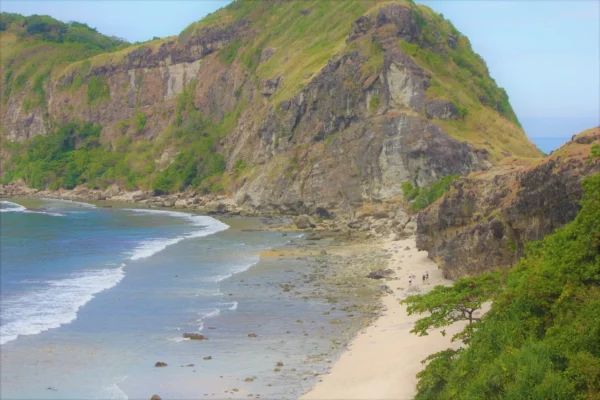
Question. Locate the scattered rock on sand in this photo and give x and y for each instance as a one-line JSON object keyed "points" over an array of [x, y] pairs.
{"points": [[304, 222], [194, 336], [155, 397], [279, 363], [386, 288], [207, 358], [381, 274], [252, 335], [249, 380], [160, 364]]}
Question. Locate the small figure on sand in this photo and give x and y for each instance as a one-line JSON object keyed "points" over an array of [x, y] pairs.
{"points": [[427, 275], [423, 277], [410, 280]]}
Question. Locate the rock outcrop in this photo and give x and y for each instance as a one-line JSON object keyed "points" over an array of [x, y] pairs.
{"points": [[484, 221]]}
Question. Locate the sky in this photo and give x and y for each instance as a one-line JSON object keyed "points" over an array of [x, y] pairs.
{"points": [[546, 54]]}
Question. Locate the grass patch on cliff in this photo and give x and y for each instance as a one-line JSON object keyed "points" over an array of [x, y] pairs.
{"points": [[423, 197], [97, 90], [540, 337]]}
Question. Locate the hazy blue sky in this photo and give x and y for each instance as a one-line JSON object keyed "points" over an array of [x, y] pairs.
{"points": [[546, 54]]}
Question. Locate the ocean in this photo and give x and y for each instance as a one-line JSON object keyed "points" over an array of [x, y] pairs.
{"points": [[92, 297]]}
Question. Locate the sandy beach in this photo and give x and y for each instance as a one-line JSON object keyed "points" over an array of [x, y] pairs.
{"points": [[382, 360]]}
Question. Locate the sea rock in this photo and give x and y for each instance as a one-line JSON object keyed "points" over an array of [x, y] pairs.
{"points": [[160, 364], [252, 335], [386, 288], [304, 222], [155, 397], [194, 336], [381, 274], [207, 358]]}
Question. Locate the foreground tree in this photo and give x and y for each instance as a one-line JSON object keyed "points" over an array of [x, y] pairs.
{"points": [[446, 305]]}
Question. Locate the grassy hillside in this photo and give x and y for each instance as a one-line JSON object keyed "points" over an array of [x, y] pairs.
{"points": [[540, 340], [32, 47]]}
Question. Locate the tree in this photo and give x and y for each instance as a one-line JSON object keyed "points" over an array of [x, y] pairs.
{"points": [[449, 304]]}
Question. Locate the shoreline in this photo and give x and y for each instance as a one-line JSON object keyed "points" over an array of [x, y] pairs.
{"points": [[382, 361], [378, 357], [336, 269]]}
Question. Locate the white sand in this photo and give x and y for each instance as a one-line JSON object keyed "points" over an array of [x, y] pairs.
{"points": [[382, 361]]}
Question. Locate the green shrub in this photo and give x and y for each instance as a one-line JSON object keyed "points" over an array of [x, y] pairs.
{"points": [[140, 121], [97, 90], [423, 197], [374, 102], [229, 53]]}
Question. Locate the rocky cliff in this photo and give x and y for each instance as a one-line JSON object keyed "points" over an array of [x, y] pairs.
{"points": [[309, 106], [486, 218]]}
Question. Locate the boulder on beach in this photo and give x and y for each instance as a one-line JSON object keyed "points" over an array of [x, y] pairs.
{"points": [[194, 336], [381, 274], [304, 222], [160, 364], [155, 397], [252, 335], [207, 358]]}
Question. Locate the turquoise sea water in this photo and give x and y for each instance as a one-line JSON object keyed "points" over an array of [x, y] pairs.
{"points": [[92, 297]]}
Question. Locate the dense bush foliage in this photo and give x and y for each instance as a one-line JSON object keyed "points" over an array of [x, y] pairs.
{"points": [[197, 162], [73, 155], [541, 338], [422, 197]]}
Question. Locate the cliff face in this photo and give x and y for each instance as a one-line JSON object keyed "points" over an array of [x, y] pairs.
{"points": [[484, 221], [311, 113]]}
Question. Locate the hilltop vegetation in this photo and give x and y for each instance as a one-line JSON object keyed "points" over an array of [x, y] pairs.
{"points": [[32, 47], [540, 338]]}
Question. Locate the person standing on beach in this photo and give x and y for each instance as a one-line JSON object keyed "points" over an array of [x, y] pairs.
{"points": [[410, 281], [427, 275]]}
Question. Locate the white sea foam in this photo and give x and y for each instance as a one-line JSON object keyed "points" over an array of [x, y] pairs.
{"points": [[150, 247], [205, 314], [215, 278], [210, 313], [54, 305], [73, 202], [212, 292], [178, 339], [112, 392], [230, 306], [14, 207]]}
